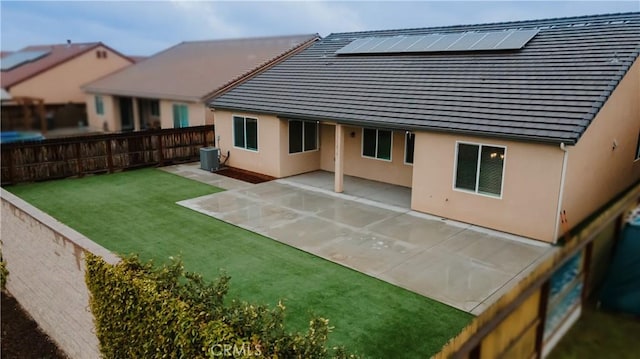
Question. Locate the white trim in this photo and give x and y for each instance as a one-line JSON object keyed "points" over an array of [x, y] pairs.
{"points": [[565, 158], [244, 122], [404, 160], [317, 123], [455, 169], [376, 150]]}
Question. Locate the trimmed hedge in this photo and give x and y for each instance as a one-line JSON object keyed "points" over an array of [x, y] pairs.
{"points": [[142, 311]]}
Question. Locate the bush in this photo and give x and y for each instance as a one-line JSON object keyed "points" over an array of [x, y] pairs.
{"points": [[142, 311]]}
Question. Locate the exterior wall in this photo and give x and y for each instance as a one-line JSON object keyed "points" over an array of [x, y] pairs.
{"points": [[61, 84], [46, 267], [267, 159], [595, 171], [111, 113], [199, 114], [394, 171], [296, 163], [531, 183]]}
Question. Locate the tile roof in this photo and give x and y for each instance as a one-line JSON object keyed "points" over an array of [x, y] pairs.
{"points": [[193, 71], [58, 54], [548, 91]]}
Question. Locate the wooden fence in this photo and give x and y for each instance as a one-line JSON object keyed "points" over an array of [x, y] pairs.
{"points": [[78, 156]]}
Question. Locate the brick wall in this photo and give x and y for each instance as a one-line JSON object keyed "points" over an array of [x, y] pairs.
{"points": [[45, 259]]}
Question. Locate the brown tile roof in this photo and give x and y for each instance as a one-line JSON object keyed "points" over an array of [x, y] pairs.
{"points": [[58, 54], [194, 71]]}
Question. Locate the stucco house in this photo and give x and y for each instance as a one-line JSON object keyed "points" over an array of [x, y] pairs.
{"points": [[524, 127], [170, 89], [52, 74]]}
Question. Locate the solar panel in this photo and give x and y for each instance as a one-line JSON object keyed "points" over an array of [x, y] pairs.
{"points": [[489, 41], [19, 58], [466, 41], [460, 41], [444, 42], [386, 44], [517, 39], [423, 43]]}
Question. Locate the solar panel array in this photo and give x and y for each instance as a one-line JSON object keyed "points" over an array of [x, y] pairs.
{"points": [[19, 58], [460, 41]]}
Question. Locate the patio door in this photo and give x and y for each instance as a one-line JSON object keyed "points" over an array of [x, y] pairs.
{"points": [[126, 113]]}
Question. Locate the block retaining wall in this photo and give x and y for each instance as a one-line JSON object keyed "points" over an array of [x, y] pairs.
{"points": [[46, 267]]}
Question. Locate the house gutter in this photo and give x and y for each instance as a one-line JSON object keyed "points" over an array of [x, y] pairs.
{"points": [[561, 192]]}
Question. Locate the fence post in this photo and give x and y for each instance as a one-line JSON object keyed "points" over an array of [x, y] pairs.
{"points": [[160, 152], [79, 167], [109, 155]]}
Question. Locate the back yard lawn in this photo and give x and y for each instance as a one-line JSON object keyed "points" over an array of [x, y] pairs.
{"points": [[135, 212]]}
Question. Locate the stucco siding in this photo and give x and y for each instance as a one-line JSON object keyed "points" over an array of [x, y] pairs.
{"points": [[603, 164], [61, 84], [110, 107], [266, 159], [296, 163], [531, 183], [196, 112], [394, 171]]}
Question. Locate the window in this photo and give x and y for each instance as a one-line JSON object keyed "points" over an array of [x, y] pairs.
{"points": [[376, 143], [180, 116], [245, 132], [154, 108], [303, 136], [479, 168], [99, 105], [409, 141]]}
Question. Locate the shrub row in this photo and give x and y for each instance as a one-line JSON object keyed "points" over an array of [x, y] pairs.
{"points": [[144, 311]]}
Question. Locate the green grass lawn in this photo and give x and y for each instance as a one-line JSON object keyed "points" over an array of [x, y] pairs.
{"points": [[135, 212], [600, 334]]}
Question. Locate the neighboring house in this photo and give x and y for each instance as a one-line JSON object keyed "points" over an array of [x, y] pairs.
{"points": [[510, 126], [53, 74], [170, 89]]}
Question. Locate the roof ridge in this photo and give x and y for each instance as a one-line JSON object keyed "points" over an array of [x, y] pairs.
{"points": [[537, 22], [248, 38]]}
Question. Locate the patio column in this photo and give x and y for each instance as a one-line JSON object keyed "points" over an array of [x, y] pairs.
{"points": [[339, 160], [136, 114]]}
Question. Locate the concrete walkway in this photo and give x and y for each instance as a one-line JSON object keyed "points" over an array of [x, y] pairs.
{"points": [[458, 264]]}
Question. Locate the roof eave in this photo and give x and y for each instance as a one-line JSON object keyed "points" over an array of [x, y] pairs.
{"points": [[506, 136]]}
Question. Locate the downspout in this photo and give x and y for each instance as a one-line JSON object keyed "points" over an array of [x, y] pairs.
{"points": [[562, 177]]}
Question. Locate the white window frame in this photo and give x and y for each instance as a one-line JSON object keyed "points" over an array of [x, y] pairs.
{"points": [[233, 132], [317, 124], [455, 169], [406, 143], [376, 158]]}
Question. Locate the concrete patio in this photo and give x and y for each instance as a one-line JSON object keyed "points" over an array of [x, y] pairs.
{"points": [[371, 229]]}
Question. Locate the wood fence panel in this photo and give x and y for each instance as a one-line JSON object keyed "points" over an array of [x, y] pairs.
{"points": [[77, 156]]}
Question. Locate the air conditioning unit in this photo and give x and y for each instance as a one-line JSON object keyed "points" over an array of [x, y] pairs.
{"points": [[209, 158]]}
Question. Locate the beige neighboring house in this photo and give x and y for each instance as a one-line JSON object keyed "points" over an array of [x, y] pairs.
{"points": [[55, 73], [170, 89], [524, 127], [52, 74]]}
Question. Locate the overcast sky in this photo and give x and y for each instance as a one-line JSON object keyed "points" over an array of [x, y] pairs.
{"points": [[146, 27]]}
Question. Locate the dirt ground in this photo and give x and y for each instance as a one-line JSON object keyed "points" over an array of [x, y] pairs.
{"points": [[243, 175], [21, 336]]}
